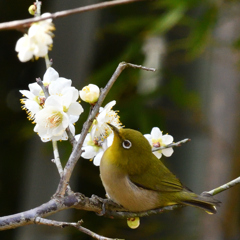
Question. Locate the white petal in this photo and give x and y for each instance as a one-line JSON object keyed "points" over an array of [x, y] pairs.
{"points": [[97, 159], [35, 88], [110, 105], [75, 109], [89, 152], [58, 86], [72, 129], [73, 118], [167, 152], [54, 101], [58, 131], [167, 139], [148, 137], [27, 94], [63, 137], [67, 99], [22, 43], [157, 154], [156, 133], [110, 139], [93, 131], [74, 92], [25, 56], [32, 106], [50, 75]]}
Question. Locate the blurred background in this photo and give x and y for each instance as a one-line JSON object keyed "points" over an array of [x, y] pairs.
{"points": [[194, 45]]}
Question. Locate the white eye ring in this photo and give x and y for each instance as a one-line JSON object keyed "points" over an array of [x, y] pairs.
{"points": [[126, 144]]}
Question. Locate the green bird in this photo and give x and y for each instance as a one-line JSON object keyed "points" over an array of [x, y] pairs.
{"points": [[136, 179]]}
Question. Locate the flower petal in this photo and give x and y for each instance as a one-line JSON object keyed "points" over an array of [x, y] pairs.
{"points": [[167, 152], [167, 139], [158, 154], [75, 109], [88, 152], [50, 75], [97, 159], [156, 133]]}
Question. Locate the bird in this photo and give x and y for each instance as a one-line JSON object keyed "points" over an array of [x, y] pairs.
{"points": [[136, 179]]}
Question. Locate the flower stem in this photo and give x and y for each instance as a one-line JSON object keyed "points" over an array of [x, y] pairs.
{"points": [[57, 158], [38, 5], [47, 61]]}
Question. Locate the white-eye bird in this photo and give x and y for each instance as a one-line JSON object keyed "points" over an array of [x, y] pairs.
{"points": [[136, 179]]}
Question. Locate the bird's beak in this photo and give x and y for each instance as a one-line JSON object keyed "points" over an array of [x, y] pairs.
{"points": [[115, 130]]}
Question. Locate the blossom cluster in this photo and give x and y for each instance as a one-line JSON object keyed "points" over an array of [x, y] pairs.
{"points": [[54, 114], [60, 110], [100, 136], [37, 41]]}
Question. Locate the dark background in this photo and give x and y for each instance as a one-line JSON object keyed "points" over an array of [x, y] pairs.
{"points": [[195, 94]]}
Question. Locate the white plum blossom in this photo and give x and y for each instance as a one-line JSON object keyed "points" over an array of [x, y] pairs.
{"points": [[58, 114], [157, 139], [34, 97], [101, 135], [52, 114], [94, 149], [90, 93], [100, 129], [24, 48], [52, 120], [37, 42]]}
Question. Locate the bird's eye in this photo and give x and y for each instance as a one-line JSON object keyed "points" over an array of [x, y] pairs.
{"points": [[126, 144]]}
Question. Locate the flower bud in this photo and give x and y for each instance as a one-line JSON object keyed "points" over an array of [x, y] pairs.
{"points": [[90, 93], [133, 222], [32, 9]]}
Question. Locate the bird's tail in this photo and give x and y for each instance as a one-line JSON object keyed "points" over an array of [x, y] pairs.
{"points": [[204, 201]]}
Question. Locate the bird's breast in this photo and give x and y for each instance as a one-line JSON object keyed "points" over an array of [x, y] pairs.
{"points": [[120, 189]]}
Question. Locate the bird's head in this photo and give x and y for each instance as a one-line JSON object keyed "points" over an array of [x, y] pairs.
{"points": [[130, 148]]}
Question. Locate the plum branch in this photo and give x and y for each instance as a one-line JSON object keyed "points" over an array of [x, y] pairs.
{"points": [[19, 24]]}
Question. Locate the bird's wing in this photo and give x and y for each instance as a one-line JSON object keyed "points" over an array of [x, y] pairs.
{"points": [[160, 179]]}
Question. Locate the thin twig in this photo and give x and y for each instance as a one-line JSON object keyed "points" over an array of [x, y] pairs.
{"points": [[224, 187], [47, 62], [177, 144], [56, 159], [48, 222], [55, 147], [71, 138], [26, 22], [38, 11], [45, 90], [77, 151]]}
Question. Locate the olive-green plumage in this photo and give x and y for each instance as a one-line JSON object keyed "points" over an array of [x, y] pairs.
{"points": [[136, 179]]}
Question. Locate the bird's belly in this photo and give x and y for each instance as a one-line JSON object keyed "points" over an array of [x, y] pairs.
{"points": [[121, 190]]}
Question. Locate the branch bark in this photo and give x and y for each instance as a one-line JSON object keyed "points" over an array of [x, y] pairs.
{"points": [[18, 24], [77, 225], [94, 204]]}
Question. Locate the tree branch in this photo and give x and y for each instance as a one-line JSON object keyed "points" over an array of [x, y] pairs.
{"points": [[78, 225], [17, 24], [77, 151], [94, 204], [224, 187]]}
